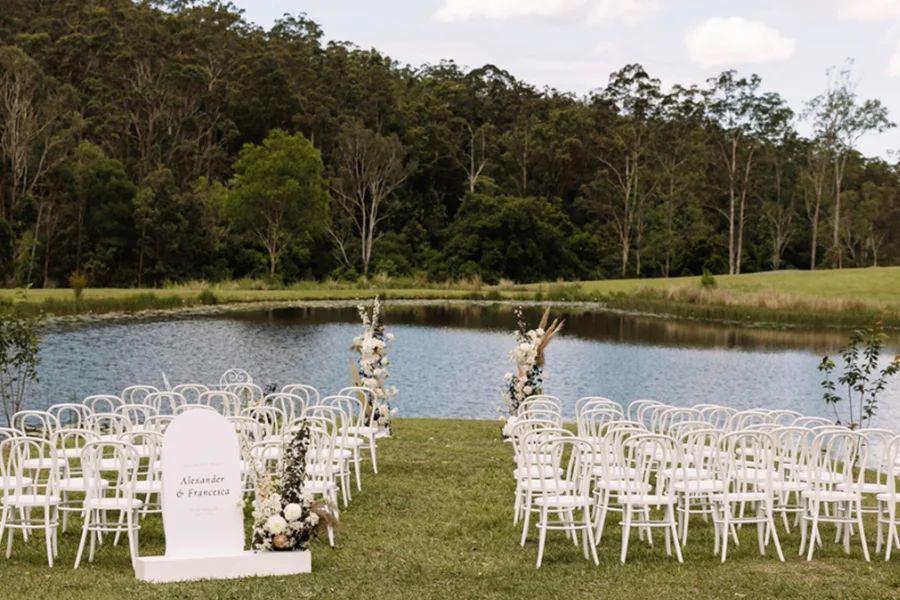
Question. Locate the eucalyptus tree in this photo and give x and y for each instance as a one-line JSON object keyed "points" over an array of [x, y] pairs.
{"points": [[632, 96], [742, 115], [369, 168], [839, 119]]}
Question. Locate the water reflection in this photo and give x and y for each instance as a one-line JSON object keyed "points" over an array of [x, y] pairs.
{"points": [[449, 359]]}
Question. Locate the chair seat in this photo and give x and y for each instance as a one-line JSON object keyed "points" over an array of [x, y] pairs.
{"points": [[79, 484], [563, 501], [886, 497], [537, 472], [623, 485], [613, 472], [829, 495], [351, 442], [30, 500], [69, 452], [364, 430], [547, 485], [318, 486], [867, 488], [782, 485], [112, 504], [699, 486], [10, 483], [148, 486], [806, 474], [742, 497], [47, 462], [644, 499]]}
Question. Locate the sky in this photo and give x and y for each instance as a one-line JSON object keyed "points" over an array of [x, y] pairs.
{"points": [[573, 45]]}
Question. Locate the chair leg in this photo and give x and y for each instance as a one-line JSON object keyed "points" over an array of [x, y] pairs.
{"points": [[373, 453], [726, 513], [542, 535], [626, 531], [527, 520], [862, 531], [589, 535], [686, 515], [814, 529], [48, 536], [771, 525], [674, 527]]}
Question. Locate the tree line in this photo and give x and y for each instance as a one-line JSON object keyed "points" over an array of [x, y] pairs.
{"points": [[148, 142]]}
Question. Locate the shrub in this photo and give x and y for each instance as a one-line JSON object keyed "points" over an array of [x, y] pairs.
{"points": [[78, 281], [707, 280], [19, 345], [208, 297]]}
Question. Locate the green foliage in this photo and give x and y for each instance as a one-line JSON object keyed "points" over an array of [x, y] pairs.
{"points": [[143, 111], [862, 379], [78, 281], [278, 196], [208, 297], [707, 280], [19, 344]]}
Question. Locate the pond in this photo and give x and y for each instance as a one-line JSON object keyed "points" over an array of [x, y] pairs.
{"points": [[449, 358]]}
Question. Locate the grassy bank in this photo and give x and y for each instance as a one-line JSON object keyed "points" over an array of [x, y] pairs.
{"points": [[845, 298], [436, 523]]}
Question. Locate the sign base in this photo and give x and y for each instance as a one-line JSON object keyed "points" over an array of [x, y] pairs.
{"points": [[162, 569]]}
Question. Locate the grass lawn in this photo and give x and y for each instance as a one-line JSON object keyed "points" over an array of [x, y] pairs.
{"points": [[436, 522], [840, 298]]}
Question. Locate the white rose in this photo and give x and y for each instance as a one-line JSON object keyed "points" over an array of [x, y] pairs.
{"points": [[527, 389], [524, 347], [390, 337], [293, 511], [312, 519], [276, 524]]}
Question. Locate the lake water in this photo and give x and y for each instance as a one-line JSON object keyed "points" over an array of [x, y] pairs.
{"points": [[449, 359]]}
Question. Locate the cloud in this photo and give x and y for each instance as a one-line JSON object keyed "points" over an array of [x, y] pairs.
{"points": [[734, 41], [894, 63], [869, 10], [629, 11]]}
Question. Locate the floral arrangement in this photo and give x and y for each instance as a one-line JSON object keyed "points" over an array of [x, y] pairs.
{"points": [[528, 356], [284, 518], [371, 368]]}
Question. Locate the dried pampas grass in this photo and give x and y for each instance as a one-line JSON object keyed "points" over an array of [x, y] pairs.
{"points": [[549, 332]]}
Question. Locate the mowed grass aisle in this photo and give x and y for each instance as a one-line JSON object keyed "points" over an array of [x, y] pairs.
{"points": [[437, 523]]}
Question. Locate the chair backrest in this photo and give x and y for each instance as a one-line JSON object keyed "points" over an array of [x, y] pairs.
{"points": [[235, 376], [745, 418], [598, 402], [103, 403], [270, 417], [165, 403], [226, 403], [666, 418], [291, 405], [136, 394], [249, 429], [68, 443], [113, 424], [36, 423], [530, 413], [150, 443], [717, 416], [544, 401], [574, 457], [748, 460], [249, 393], [119, 457], [70, 415], [528, 451], [679, 429], [366, 396], [637, 408], [179, 410], [891, 460], [307, 392], [647, 459], [29, 466], [158, 423], [591, 419], [137, 414], [834, 457], [783, 417], [812, 422], [190, 391]]}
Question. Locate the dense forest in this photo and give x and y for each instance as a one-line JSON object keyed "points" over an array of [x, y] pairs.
{"points": [[151, 142]]}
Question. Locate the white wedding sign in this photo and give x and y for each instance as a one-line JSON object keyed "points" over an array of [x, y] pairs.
{"points": [[201, 478], [202, 509]]}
